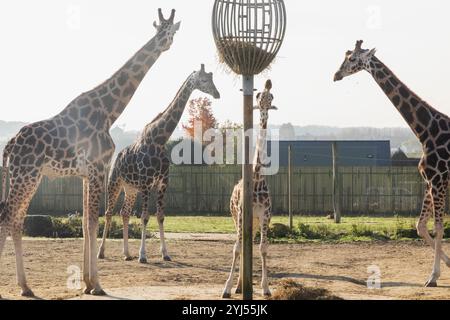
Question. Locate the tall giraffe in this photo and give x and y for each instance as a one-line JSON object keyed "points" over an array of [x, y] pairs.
{"points": [[262, 203], [144, 165], [431, 127], [75, 142]]}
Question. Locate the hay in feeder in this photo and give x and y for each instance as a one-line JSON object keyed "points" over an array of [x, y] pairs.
{"points": [[288, 289], [243, 58]]}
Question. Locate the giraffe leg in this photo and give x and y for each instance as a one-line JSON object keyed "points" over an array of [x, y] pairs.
{"points": [[3, 236], [114, 187], [16, 208], [130, 199], [438, 193], [16, 234], [229, 284], [86, 279], [264, 224], [96, 187], [160, 206], [144, 222], [422, 230]]}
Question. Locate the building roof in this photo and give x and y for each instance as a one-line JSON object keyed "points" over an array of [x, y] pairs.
{"points": [[319, 153]]}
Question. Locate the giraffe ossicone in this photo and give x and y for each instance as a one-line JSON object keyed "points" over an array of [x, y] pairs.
{"points": [[143, 167], [431, 127], [262, 202], [75, 142]]}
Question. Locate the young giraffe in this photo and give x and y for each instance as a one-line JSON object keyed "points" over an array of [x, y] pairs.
{"points": [[75, 142], [433, 130], [144, 166], [262, 203]]}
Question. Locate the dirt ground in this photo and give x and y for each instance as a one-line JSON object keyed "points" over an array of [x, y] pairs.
{"points": [[200, 268]]}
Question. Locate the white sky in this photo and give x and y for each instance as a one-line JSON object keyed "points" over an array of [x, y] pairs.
{"points": [[46, 60]]}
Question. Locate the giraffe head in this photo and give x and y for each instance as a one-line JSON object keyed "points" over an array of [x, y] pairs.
{"points": [[264, 101], [166, 30], [203, 81], [355, 61]]}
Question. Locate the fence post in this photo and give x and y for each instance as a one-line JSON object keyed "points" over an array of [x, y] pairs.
{"points": [[336, 185], [290, 187]]}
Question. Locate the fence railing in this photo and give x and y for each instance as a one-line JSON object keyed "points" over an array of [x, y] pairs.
{"points": [[207, 190]]}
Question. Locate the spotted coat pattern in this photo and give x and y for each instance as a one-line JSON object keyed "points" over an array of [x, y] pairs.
{"points": [[75, 142], [431, 127], [262, 202], [143, 167]]}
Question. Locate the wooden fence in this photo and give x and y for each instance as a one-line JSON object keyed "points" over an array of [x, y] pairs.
{"points": [[206, 190]]}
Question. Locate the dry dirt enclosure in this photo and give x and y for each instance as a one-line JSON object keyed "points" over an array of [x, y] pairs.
{"points": [[200, 268]]}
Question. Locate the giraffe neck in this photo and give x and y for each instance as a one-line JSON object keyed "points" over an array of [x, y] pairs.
{"points": [[162, 127], [417, 113], [260, 147], [107, 101]]}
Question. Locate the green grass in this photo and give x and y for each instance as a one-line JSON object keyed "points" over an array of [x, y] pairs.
{"points": [[305, 228]]}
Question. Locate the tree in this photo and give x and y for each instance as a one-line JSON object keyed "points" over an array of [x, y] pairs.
{"points": [[230, 132], [200, 115], [287, 132]]}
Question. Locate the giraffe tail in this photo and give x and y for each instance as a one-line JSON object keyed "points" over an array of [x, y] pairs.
{"points": [[6, 153], [4, 173]]}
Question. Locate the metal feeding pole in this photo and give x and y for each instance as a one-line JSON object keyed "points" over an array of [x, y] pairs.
{"points": [[248, 35]]}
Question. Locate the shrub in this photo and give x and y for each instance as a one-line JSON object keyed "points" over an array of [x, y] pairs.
{"points": [[70, 228], [279, 230], [306, 232], [361, 231], [38, 226]]}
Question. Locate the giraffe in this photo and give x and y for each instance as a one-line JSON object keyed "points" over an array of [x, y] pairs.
{"points": [[144, 165], [431, 127], [75, 142], [262, 202]]}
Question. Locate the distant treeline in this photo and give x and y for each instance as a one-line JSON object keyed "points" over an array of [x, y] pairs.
{"points": [[399, 137]]}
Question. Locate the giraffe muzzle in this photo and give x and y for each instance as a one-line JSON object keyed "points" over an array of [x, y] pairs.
{"points": [[338, 76]]}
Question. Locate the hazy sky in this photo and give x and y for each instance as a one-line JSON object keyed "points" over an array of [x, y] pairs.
{"points": [[52, 50]]}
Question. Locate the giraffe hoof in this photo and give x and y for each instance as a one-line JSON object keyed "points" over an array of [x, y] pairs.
{"points": [[128, 258], [431, 284], [143, 260], [101, 255], [98, 292], [87, 290], [167, 258], [238, 291], [27, 293], [267, 294], [226, 295]]}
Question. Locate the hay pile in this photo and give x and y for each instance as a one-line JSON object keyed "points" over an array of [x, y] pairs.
{"points": [[288, 289], [243, 58]]}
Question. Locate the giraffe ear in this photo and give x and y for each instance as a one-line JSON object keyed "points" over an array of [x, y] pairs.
{"points": [[155, 25], [258, 95], [176, 26], [372, 52]]}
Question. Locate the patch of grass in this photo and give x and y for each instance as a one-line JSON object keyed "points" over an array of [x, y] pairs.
{"points": [[289, 289], [305, 228]]}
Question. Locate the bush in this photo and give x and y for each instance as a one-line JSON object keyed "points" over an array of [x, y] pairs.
{"points": [[67, 228], [306, 232], [38, 226], [279, 230]]}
